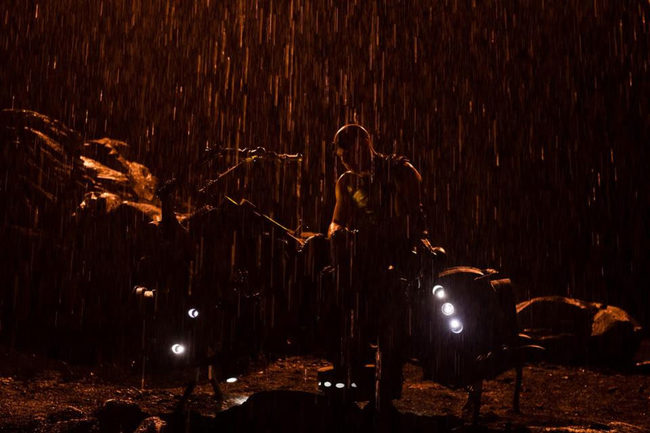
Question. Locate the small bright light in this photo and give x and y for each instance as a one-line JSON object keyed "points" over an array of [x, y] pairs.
{"points": [[327, 384], [448, 309], [320, 383], [178, 349], [439, 291], [340, 385], [231, 380], [353, 385], [193, 313], [144, 292], [456, 326]]}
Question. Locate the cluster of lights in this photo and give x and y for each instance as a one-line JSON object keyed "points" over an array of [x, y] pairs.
{"points": [[339, 385], [144, 292], [448, 309], [455, 325], [439, 292], [178, 349]]}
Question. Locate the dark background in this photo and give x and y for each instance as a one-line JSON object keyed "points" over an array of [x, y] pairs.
{"points": [[528, 119]]}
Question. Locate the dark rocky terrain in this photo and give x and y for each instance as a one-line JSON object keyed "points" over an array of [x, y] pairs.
{"points": [[40, 395]]}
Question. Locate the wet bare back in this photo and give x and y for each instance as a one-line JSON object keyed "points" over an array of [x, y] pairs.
{"points": [[398, 201]]}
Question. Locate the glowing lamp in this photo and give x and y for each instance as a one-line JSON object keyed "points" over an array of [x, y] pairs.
{"points": [[327, 384], [340, 385], [178, 349], [456, 326], [231, 380], [439, 291], [448, 309], [193, 313]]}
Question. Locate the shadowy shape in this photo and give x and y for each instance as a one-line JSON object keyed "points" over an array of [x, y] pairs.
{"points": [[291, 411]]}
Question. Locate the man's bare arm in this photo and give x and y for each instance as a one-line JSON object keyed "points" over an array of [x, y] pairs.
{"points": [[410, 190], [340, 216]]}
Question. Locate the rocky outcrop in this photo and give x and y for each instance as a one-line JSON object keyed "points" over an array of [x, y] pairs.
{"points": [[576, 330], [49, 171], [73, 211], [615, 335]]}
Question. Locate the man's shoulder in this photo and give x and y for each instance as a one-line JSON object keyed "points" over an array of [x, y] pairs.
{"points": [[346, 181], [398, 160], [347, 177], [402, 166]]}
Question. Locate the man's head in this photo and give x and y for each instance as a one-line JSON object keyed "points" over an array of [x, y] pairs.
{"points": [[353, 146]]}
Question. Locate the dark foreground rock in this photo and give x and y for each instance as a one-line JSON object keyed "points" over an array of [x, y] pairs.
{"points": [[291, 411], [116, 416]]}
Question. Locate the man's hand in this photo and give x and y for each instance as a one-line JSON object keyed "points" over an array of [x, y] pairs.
{"points": [[437, 253], [333, 229], [341, 208]]}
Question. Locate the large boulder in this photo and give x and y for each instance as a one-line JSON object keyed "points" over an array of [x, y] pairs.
{"points": [[615, 335], [575, 330], [556, 315], [119, 416], [290, 411]]}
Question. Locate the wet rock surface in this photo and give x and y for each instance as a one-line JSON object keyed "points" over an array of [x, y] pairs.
{"points": [[83, 425], [152, 424], [67, 413]]}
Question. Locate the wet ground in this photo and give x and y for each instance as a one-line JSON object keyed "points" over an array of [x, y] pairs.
{"points": [[36, 394]]}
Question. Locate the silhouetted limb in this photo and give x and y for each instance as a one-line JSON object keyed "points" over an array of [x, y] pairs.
{"points": [[519, 373], [189, 389], [218, 395], [473, 406]]}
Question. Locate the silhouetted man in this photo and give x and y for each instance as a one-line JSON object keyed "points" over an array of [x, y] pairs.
{"points": [[377, 223]]}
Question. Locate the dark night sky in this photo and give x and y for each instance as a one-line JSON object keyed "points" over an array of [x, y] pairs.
{"points": [[528, 119]]}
